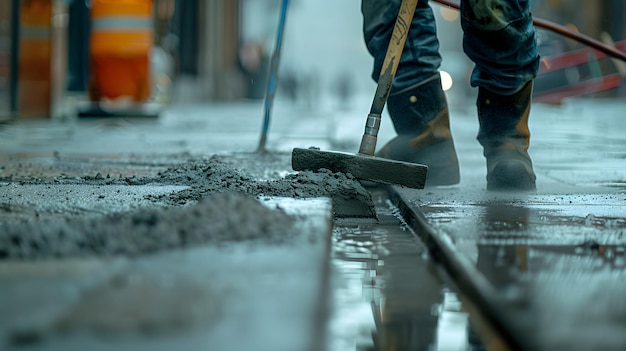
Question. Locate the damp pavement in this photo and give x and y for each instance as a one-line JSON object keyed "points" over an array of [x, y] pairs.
{"points": [[237, 251]]}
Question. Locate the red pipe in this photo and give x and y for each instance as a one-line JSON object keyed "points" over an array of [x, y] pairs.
{"points": [[564, 31]]}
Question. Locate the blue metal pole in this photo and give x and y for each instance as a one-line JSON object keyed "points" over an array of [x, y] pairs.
{"points": [[272, 83]]}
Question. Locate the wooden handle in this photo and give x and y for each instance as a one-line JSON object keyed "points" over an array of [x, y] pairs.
{"points": [[387, 74], [394, 51]]}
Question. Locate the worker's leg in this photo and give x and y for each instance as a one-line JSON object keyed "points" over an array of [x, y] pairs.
{"points": [[417, 104], [499, 37]]}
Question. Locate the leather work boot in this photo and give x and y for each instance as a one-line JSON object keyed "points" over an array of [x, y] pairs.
{"points": [[505, 138], [420, 118]]}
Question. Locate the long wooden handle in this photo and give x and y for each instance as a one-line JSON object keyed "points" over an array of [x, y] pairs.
{"points": [[387, 74], [394, 51]]}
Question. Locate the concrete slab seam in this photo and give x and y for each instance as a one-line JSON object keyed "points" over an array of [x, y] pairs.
{"points": [[464, 275]]}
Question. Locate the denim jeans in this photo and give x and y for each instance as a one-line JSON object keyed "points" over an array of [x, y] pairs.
{"points": [[498, 36]]}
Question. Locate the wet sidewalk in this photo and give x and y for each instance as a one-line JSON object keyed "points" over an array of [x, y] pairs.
{"points": [[552, 262], [546, 267], [553, 259], [205, 270]]}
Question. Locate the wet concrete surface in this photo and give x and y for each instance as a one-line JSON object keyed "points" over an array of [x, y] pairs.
{"points": [[78, 219], [555, 257], [250, 173], [195, 298], [147, 231], [390, 295]]}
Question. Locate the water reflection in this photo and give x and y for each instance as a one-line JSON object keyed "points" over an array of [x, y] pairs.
{"points": [[561, 286], [509, 248], [387, 295], [453, 325], [354, 281]]}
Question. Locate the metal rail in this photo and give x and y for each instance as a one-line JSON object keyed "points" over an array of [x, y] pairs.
{"points": [[471, 284]]}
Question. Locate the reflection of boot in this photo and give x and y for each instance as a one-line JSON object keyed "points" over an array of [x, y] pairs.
{"points": [[505, 137], [420, 118]]}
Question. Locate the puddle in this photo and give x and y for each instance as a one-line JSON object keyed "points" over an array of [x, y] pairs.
{"points": [[558, 261], [386, 294]]}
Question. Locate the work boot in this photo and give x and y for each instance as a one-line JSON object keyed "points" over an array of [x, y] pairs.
{"points": [[420, 118], [505, 138]]}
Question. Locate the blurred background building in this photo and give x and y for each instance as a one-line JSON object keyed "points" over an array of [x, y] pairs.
{"points": [[219, 50]]}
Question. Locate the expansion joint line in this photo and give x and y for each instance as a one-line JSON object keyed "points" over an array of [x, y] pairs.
{"points": [[478, 293]]}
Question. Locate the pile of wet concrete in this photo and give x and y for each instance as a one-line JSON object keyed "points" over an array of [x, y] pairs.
{"points": [[218, 204]]}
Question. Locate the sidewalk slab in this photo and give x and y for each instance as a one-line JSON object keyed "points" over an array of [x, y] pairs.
{"points": [[235, 296], [554, 256]]}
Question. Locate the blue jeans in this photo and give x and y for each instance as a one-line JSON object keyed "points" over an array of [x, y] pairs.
{"points": [[499, 38]]}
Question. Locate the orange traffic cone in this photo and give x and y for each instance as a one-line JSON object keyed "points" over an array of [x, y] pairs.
{"points": [[35, 58], [121, 40]]}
